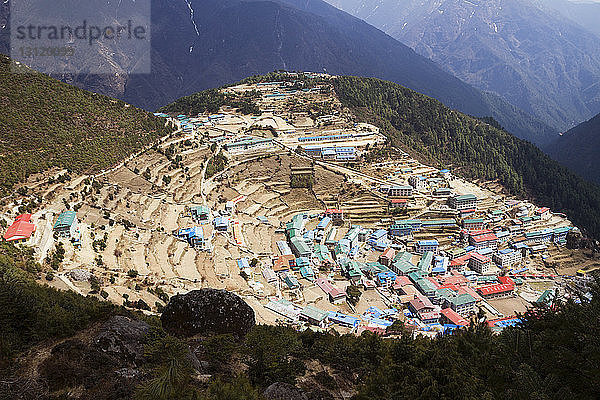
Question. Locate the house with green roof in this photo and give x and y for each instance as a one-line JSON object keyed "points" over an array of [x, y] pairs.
{"points": [[200, 213], [425, 286], [463, 304], [299, 247], [66, 224], [314, 316], [425, 262], [402, 267]]}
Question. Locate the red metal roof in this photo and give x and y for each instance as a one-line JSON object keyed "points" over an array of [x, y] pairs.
{"points": [[325, 285], [24, 218], [485, 238], [462, 260], [401, 281], [480, 258], [507, 280], [399, 201], [495, 289], [337, 292], [479, 232], [454, 317], [389, 253], [20, 229]]}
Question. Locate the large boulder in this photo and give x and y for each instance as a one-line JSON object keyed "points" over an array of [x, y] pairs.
{"points": [[283, 391], [207, 311], [123, 338]]}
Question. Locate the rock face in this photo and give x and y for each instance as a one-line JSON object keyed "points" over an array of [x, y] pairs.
{"points": [[123, 338], [207, 311], [283, 391]]}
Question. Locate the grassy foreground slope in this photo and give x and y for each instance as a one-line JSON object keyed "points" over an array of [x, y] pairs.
{"points": [[46, 123], [436, 134]]}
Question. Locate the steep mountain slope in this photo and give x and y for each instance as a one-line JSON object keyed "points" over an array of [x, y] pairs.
{"points": [[584, 13], [522, 50], [46, 123], [436, 134], [579, 149], [202, 44]]}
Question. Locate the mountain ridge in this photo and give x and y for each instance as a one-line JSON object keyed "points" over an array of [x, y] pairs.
{"points": [[530, 55], [227, 41]]}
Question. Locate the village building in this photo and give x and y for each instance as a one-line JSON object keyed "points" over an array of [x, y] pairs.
{"points": [[400, 191], [387, 257], [66, 225], [544, 213], [343, 320], [559, 235], [418, 182], [221, 224], [423, 246], [463, 304], [496, 291], [485, 241], [464, 202], [314, 316], [246, 145], [443, 192], [479, 263], [335, 215], [449, 316], [20, 230], [200, 214], [507, 258], [270, 276], [473, 224], [539, 237], [398, 204]]}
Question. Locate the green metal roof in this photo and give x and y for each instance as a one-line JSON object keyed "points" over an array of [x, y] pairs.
{"points": [[466, 197], [65, 219], [315, 313], [473, 221], [425, 261], [300, 245], [461, 299]]}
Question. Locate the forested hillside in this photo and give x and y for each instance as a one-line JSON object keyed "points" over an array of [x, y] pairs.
{"points": [[46, 123], [579, 149], [57, 344], [434, 133]]}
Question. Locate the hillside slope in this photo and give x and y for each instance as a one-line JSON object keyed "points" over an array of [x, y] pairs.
{"points": [[57, 344], [436, 134], [579, 149], [584, 13], [522, 50], [47, 123], [221, 42]]}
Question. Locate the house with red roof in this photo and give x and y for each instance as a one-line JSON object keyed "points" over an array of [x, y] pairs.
{"points": [[480, 263], [336, 215], [387, 257], [484, 241], [449, 316], [496, 291], [20, 230], [543, 213]]}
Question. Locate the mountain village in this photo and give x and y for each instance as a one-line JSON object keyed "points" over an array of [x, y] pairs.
{"points": [[308, 215]]}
